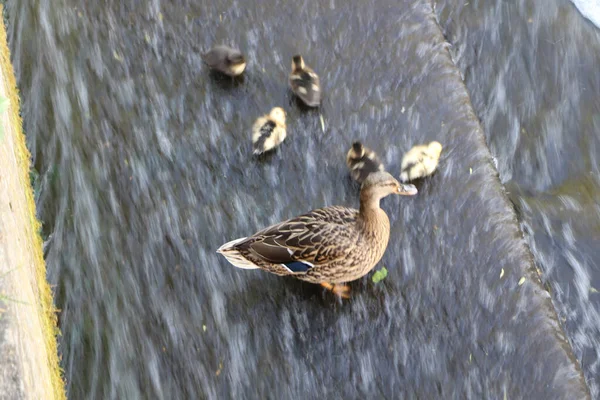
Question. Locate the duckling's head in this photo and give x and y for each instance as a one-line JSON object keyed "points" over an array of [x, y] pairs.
{"points": [[297, 62], [381, 184], [236, 58], [435, 148], [357, 151], [278, 115]]}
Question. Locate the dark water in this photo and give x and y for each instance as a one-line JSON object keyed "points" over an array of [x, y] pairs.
{"points": [[533, 76], [145, 169]]}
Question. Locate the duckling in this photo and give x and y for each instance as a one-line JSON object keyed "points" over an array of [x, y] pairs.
{"points": [[327, 246], [420, 161], [269, 131], [362, 161], [305, 82], [226, 60]]}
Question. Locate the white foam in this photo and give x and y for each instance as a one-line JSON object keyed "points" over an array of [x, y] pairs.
{"points": [[590, 9]]}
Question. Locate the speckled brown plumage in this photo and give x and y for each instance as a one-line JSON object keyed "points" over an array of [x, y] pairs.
{"points": [[333, 239], [327, 245]]}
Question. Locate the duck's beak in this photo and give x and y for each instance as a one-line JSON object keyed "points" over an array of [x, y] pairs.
{"points": [[406, 189]]}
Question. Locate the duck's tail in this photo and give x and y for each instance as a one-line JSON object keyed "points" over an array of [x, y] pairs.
{"points": [[257, 152], [233, 255]]}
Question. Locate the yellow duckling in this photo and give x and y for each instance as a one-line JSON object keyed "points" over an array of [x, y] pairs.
{"points": [[225, 60], [420, 161], [305, 82], [269, 131], [362, 161]]}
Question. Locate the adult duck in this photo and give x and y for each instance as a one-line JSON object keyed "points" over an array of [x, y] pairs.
{"points": [[327, 246]]}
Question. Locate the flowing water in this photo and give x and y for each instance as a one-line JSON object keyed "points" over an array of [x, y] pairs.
{"points": [[532, 73], [590, 9], [145, 168]]}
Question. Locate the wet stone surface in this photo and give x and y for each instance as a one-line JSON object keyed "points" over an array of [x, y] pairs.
{"points": [[146, 168]]}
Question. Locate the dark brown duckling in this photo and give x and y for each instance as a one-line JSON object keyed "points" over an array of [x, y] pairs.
{"points": [[226, 60], [362, 161], [305, 82]]}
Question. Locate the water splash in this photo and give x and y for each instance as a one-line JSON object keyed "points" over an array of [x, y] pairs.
{"points": [[590, 9]]}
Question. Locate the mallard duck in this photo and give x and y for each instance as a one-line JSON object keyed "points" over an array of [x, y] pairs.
{"points": [[362, 161], [327, 246], [420, 161], [225, 60], [269, 131], [305, 82]]}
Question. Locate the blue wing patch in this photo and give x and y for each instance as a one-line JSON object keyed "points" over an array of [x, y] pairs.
{"points": [[298, 266]]}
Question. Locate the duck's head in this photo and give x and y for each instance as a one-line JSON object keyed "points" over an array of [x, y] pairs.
{"points": [[381, 184], [435, 148], [297, 62], [236, 58], [278, 115]]}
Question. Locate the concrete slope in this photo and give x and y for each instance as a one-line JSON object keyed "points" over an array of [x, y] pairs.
{"points": [[28, 355]]}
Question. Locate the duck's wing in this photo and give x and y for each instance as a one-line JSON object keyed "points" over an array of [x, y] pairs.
{"points": [[299, 244], [306, 85]]}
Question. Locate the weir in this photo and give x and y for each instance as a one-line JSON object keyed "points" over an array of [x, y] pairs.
{"points": [[146, 168]]}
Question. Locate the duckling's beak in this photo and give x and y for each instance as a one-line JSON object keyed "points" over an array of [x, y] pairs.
{"points": [[407, 189]]}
